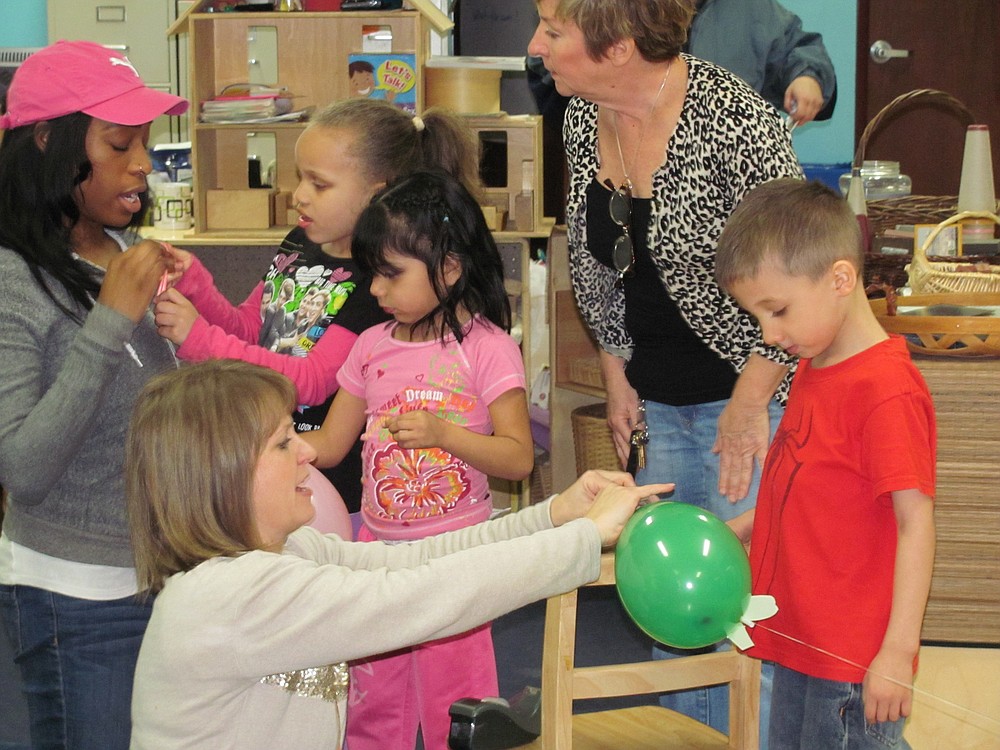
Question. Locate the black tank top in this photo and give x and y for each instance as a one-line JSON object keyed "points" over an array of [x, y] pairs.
{"points": [[669, 364]]}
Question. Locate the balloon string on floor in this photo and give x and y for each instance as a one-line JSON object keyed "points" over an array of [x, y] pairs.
{"points": [[993, 727]]}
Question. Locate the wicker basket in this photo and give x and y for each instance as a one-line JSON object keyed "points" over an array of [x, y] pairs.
{"points": [[586, 371], [886, 213], [929, 277], [592, 441], [917, 97], [944, 335]]}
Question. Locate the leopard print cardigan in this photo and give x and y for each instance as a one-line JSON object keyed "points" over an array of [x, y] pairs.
{"points": [[727, 141]]}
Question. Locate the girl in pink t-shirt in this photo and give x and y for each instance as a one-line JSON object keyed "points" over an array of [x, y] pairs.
{"points": [[440, 393], [350, 150]]}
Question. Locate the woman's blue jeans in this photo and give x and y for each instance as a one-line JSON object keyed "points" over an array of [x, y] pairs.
{"points": [[680, 451], [77, 660], [816, 713]]}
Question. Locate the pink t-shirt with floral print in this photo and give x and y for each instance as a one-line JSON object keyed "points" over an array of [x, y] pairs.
{"points": [[413, 493]]}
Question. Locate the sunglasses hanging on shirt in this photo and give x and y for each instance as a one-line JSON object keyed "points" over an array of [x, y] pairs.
{"points": [[620, 209]]}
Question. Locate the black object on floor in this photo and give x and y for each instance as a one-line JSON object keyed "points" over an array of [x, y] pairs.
{"points": [[495, 723]]}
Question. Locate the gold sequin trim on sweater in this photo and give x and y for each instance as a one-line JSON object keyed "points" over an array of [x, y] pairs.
{"points": [[328, 683]]}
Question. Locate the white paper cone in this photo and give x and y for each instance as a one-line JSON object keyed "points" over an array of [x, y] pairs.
{"points": [[976, 192]]}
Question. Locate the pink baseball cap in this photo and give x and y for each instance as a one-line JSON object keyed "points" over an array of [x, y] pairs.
{"points": [[68, 77]]}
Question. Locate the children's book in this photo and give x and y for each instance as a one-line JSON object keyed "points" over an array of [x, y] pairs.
{"points": [[389, 76]]}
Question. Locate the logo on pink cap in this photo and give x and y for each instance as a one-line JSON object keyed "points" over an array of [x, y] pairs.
{"points": [[125, 61]]}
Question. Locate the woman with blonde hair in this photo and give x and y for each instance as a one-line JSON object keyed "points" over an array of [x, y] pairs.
{"points": [[252, 603]]}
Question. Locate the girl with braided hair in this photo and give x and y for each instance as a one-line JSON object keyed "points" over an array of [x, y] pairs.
{"points": [[440, 394]]}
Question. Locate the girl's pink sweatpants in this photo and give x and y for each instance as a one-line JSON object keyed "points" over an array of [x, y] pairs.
{"points": [[392, 694]]}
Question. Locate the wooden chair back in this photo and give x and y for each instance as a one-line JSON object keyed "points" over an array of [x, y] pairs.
{"points": [[641, 727]]}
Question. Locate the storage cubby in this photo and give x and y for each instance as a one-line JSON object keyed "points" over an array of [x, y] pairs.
{"points": [[308, 54], [310, 57]]}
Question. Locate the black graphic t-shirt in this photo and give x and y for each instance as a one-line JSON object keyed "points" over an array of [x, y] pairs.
{"points": [[305, 290]]}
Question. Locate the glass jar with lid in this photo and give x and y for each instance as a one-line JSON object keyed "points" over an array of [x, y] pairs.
{"points": [[881, 179]]}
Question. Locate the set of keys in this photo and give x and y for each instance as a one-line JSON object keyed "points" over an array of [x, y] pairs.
{"points": [[638, 440], [637, 451]]}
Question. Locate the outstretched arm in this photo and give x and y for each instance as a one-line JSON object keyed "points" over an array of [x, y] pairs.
{"points": [[197, 284], [315, 375]]}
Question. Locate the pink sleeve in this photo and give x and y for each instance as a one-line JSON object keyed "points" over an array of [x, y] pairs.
{"points": [[199, 287], [499, 366], [315, 375], [350, 378]]}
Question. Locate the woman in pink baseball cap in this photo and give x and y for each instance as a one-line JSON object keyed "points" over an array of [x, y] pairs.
{"points": [[78, 343]]}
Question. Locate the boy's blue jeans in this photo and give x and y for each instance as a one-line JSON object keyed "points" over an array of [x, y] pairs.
{"points": [[77, 661], [810, 712], [680, 451]]}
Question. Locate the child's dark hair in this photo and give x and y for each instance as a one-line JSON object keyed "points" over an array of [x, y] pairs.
{"points": [[38, 207], [430, 216], [800, 227]]}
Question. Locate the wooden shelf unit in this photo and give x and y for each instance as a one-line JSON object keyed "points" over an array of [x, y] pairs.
{"points": [[312, 52], [571, 350]]}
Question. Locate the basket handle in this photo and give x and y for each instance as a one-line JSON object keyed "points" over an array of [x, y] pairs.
{"points": [[921, 251], [926, 96]]}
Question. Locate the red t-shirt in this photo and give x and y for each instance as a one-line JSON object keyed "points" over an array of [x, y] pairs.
{"points": [[824, 537]]}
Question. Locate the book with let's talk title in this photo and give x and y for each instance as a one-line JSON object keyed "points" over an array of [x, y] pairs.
{"points": [[389, 76]]}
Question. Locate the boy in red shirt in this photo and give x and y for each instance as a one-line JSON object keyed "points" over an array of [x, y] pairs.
{"points": [[843, 535]]}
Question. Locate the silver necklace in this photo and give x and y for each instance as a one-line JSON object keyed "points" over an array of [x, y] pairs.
{"points": [[642, 131]]}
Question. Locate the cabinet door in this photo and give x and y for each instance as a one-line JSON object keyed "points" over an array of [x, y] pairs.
{"points": [[136, 27]]}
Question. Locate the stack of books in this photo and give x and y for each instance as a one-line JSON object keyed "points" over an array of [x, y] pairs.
{"points": [[249, 103]]}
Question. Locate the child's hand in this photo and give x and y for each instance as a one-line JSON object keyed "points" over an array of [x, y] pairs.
{"points": [[742, 525], [175, 316], [182, 259], [417, 429], [178, 261], [886, 699]]}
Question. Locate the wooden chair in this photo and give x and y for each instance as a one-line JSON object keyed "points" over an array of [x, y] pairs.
{"points": [[642, 727]]}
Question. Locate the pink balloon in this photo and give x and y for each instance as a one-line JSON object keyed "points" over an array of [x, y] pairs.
{"points": [[331, 513]]}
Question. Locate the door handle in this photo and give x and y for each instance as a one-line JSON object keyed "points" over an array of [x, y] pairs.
{"points": [[881, 52]]}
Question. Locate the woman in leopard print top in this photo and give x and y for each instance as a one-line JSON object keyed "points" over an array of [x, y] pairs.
{"points": [[690, 140], [690, 151]]}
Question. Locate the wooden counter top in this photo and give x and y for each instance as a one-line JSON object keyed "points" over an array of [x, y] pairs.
{"points": [[274, 235]]}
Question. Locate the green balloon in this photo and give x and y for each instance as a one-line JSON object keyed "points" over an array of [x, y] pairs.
{"points": [[682, 574]]}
